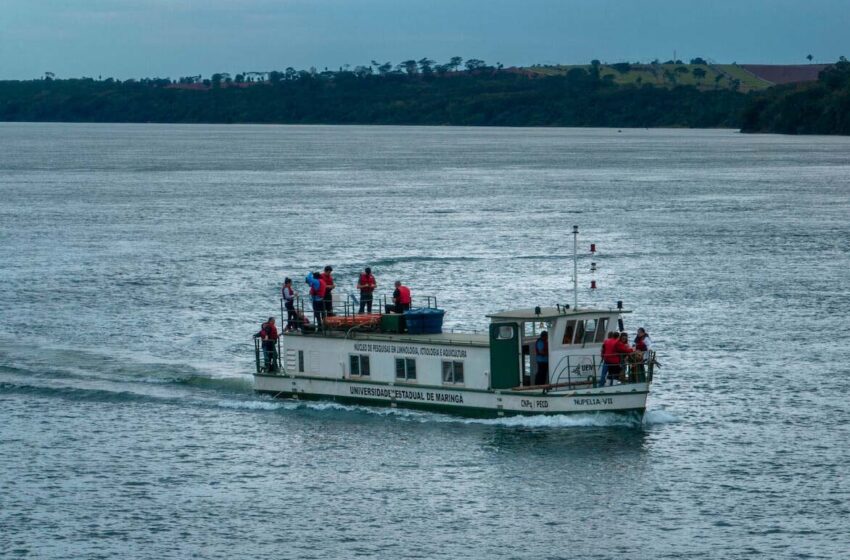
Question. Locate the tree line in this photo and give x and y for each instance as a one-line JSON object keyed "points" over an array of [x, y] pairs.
{"points": [[416, 92], [821, 107], [423, 92]]}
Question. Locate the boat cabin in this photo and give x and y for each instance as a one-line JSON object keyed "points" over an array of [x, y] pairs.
{"points": [[575, 339]]}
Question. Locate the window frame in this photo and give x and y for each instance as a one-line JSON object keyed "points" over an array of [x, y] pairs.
{"points": [[361, 360], [453, 366], [601, 329], [506, 329], [569, 329], [408, 366]]}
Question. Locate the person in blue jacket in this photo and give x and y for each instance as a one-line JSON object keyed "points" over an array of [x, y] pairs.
{"points": [[541, 350], [317, 295]]}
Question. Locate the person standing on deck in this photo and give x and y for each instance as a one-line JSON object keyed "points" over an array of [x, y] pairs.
{"points": [[642, 341], [541, 351], [401, 297], [288, 295], [329, 286], [609, 359], [317, 295], [366, 284], [643, 344], [268, 334], [621, 350]]}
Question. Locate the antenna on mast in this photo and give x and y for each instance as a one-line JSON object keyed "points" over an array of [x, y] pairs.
{"points": [[575, 267]]}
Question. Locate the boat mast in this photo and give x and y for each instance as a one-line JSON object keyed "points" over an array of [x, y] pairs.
{"points": [[575, 267]]}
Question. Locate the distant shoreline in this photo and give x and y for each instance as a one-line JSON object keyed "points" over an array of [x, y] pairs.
{"points": [[599, 96]]}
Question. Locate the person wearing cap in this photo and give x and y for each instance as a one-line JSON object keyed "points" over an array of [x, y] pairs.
{"points": [[329, 286], [366, 284], [541, 351]]}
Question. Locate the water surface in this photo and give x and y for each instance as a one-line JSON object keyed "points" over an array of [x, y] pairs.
{"points": [[136, 261]]}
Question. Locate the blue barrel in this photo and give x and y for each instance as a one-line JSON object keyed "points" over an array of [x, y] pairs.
{"points": [[424, 320]]}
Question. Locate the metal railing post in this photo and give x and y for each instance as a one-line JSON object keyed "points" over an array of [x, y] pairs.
{"points": [[257, 354]]}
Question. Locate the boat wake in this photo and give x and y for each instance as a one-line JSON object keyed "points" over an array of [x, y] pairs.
{"points": [[556, 421]]}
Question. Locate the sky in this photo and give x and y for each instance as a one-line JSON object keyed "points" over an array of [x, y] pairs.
{"points": [[172, 38]]}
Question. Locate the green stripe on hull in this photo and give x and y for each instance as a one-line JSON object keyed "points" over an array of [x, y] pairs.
{"points": [[455, 410]]}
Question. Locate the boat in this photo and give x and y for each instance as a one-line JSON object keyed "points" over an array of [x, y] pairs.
{"points": [[408, 360]]}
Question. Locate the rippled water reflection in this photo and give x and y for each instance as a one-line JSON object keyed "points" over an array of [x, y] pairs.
{"points": [[137, 260]]}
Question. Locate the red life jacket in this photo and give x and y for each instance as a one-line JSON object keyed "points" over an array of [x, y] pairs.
{"points": [[270, 331], [622, 349], [609, 352], [328, 280], [640, 344], [320, 293], [404, 295], [368, 283]]}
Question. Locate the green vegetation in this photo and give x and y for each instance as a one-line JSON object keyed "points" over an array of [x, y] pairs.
{"points": [[821, 107], [411, 92], [458, 92], [670, 74]]}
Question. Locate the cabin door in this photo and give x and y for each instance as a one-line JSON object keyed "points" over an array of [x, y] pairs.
{"points": [[505, 355]]}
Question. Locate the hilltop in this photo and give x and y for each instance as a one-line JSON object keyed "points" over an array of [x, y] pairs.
{"points": [[699, 74], [821, 107]]}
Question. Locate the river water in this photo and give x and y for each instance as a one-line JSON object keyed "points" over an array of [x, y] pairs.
{"points": [[137, 260]]}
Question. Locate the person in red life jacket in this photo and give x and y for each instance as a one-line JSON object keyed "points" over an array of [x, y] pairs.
{"points": [[622, 350], [643, 344], [610, 359], [317, 296], [401, 297], [541, 350], [642, 341], [329, 286], [366, 284], [288, 295], [268, 334]]}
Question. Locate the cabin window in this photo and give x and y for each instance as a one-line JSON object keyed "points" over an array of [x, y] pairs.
{"points": [[301, 361], [359, 364], [568, 332], [505, 333], [601, 329], [405, 368], [589, 331], [579, 332], [452, 372]]}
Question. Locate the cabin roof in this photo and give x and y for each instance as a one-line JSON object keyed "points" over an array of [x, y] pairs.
{"points": [[547, 313]]}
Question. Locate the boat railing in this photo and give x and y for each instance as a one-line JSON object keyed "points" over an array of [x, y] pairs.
{"points": [[347, 305], [387, 302], [267, 358], [458, 330], [583, 370]]}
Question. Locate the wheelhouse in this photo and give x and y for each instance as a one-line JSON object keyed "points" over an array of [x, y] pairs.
{"points": [[575, 343]]}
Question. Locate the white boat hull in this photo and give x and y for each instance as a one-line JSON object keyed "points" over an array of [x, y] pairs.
{"points": [[625, 398]]}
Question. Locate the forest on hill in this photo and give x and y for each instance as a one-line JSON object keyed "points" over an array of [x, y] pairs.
{"points": [[668, 94], [821, 107], [412, 93]]}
